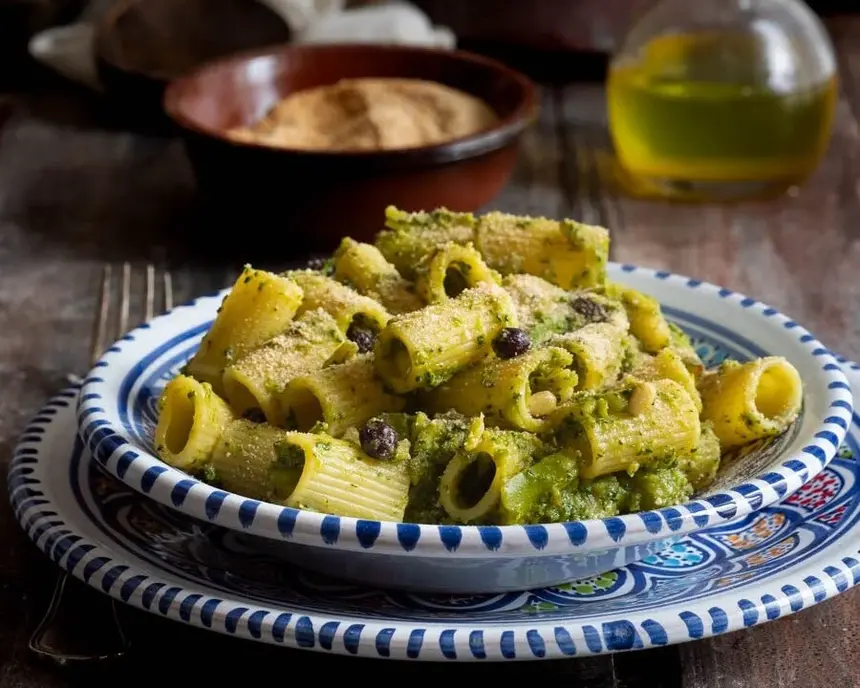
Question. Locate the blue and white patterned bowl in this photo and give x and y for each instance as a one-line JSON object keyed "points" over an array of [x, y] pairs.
{"points": [[767, 565], [117, 415]]}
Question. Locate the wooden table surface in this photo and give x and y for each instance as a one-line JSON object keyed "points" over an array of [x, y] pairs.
{"points": [[76, 191]]}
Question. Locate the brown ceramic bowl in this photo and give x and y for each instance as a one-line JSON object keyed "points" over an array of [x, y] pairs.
{"points": [[300, 201]]}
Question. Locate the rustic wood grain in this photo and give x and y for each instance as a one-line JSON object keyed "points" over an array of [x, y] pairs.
{"points": [[77, 190]]}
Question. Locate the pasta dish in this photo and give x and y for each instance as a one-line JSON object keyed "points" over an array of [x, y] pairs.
{"points": [[474, 369]]}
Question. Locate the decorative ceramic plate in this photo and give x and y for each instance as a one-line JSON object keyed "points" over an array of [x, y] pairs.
{"points": [[117, 416], [772, 563]]}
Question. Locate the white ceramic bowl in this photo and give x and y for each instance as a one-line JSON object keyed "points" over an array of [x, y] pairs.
{"points": [[117, 416]]}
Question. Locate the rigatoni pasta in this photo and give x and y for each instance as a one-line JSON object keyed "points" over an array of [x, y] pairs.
{"points": [[623, 430], [337, 477], [340, 396], [567, 253], [190, 421], [669, 364], [420, 350], [259, 306], [471, 486], [647, 323], [597, 354], [450, 270], [519, 393], [410, 237], [365, 269], [253, 459], [462, 368], [257, 380], [750, 401], [345, 305]]}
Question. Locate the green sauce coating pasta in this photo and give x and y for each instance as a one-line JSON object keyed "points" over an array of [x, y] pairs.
{"points": [[487, 364], [421, 350]]}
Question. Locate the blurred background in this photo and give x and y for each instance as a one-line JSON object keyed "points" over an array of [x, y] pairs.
{"points": [[580, 33], [707, 101]]}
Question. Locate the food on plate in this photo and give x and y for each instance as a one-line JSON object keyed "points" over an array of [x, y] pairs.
{"points": [[436, 376], [370, 114]]}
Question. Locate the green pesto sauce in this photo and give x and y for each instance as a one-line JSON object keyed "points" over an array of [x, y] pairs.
{"points": [[434, 441], [551, 491], [289, 455]]}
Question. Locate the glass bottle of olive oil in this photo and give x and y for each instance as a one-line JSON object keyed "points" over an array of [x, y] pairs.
{"points": [[722, 99]]}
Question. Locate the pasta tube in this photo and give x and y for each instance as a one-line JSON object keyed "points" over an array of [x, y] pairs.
{"points": [[751, 401], [432, 444], [598, 351], [366, 270], [544, 309], [257, 380], [647, 323], [621, 431], [259, 306], [345, 352], [341, 302], [341, 396], [681, 344], [425, 348], [519, 393], [450, 270], [338, 478], [668, 364], [567, 253], [409, 237], [191, 419], [471, 485], [253, 460]]}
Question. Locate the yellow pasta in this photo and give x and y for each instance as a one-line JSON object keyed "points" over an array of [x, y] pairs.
{"points": [[421, 350], [341, 302], [623, 430], [471, 485], [680, 343], [410, 237], [668, 364], [249, 459], [568, 254], [366, 270], [257, 380], [259, 306], [338, 478], [341, 396], [519, 393], [598, 351], [544, 309], [647, 323], [450, 270], [345, 352], [191, 419], [751, 401]]}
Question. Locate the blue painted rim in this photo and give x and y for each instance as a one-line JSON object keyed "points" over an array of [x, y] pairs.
{"points": [[104, 569], [112, 446]]}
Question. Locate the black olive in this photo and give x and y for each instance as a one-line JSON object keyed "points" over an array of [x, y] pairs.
{"points": [[511, 342], [590, 310], [363, 338], [254, 415], [378, 439]]}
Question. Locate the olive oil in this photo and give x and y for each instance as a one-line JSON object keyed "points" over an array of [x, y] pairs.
{"points": [[706, 115]]}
